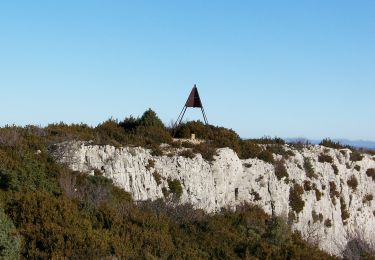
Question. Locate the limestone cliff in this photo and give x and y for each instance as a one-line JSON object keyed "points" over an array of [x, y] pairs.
{"points": [[334, 212]]}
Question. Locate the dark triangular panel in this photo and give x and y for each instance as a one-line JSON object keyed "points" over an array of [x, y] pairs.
{"points": [[194, 99]]}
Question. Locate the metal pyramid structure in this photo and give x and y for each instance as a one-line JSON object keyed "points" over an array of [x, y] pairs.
{"points": [[193, 101]]}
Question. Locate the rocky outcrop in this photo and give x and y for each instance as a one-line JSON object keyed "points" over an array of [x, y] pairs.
{"points": [[334, 213]]}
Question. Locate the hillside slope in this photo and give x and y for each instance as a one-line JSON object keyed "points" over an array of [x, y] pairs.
{"points": [[325, 193]]}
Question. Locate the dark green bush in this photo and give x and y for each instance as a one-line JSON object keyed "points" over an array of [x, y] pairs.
{"points": [[335, 169], [295, 198], [325, 158], [307, 185], [208, 152], [316, 217], [371, 173], [280, 169], [356, 156], [250, 150], [187, 154], [367, 198], [266, 156], [333, 192], [318, 193], [353, 182], [157, 177], [310, 172], [328, 223], [175, 187], [344, 211]]}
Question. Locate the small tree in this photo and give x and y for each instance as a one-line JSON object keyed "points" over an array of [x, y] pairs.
{"points": [[149, 118]]}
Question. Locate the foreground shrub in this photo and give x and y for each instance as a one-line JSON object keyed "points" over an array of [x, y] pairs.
{"points": [[53, 227], [10, 241]]}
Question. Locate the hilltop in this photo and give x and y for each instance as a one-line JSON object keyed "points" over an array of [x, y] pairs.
{"points": [[126, 189]]}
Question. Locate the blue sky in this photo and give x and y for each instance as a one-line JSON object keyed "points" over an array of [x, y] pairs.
{"points": [[277, 68]]}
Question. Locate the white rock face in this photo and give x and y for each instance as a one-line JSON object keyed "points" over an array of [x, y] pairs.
{"points": [[229, 181]]}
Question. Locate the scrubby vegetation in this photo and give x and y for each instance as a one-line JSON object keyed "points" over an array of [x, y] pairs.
{"points": [[335, 169], [371, 173], [344, 211], [353, 182], [333, 193], [325, 158], [280, 169], [310, 172], [368, 198], [316, 217], [332, 144], [51, 212], [295, 198], [175, 187], [356, 156]]}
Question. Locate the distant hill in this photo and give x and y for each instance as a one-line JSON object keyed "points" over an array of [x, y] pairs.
{"points": [[354, 143]]}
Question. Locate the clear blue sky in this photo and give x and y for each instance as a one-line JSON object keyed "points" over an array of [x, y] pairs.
{"points": [[279, 68]]}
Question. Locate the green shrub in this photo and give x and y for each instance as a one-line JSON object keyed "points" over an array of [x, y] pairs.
{"points": [[310, 172], [344, 211], [307, 185], [266, 156], [356, 156], [335, 169], [325, 158], [318, 194], [187, 154], [357, 168], [368, 198], [332, 144], [328, 223], [316, 217], [53, 227], [279, 149], [371, 173], [157, 177], [150, 164], [333, 192], [175, 187], [150, 119], [256, 195], [295, 198], [250, 150], [10, 241], [280, 169], [208, 152], [353, 182]]}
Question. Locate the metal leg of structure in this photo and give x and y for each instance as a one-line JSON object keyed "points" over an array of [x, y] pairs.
{"points": [[204, 116], [179, 118]]}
